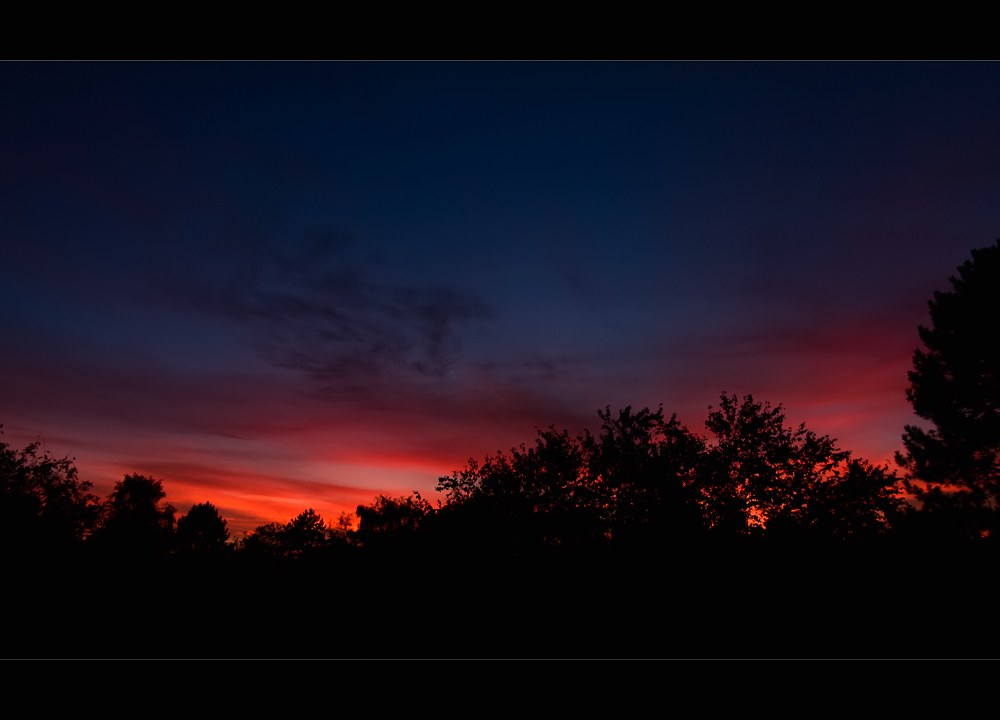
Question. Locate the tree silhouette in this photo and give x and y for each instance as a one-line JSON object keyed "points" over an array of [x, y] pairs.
{"points": [[955, 385], [134, 521], [527, 500], [762, 474], [388, 515], [633, 482], [343, 527], [302, 536], [43, 503], [648, 482], [202, 530], [642, 470], [265, 541], [305, 533]]}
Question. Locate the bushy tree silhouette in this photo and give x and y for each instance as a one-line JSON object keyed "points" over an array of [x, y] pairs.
{"points": [[630, 483], [343, 528], [642, 471], [202, 530], [762, 474], [955, 384], [134, 520], [646, 480], [305, 533], [532, 498], [388, 515], [265, 541], [43, 503]]}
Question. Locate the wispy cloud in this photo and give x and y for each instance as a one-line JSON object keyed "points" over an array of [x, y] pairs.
{"points": [[319, 311]]}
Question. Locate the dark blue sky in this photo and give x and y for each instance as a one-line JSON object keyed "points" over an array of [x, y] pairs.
{"points": [[281, 285]]}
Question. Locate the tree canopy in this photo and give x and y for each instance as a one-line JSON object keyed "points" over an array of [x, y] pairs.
{"points": [[955, 384], [43, 502], [202, 529], [134, 518], [645, 479], [304, 535], [388, 519], [762, 474], [642, 471]]}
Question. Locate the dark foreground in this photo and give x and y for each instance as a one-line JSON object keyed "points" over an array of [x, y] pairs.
{"points": [[737, 602]]}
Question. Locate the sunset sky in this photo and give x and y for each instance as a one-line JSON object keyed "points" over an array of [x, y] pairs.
{"points": [[280, 286]]}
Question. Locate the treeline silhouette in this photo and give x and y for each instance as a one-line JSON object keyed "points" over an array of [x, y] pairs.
{"points": [[642, 483], [643, 539], [605, 532]]}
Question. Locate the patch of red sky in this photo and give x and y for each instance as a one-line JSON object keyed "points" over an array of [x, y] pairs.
{"points": [[263, 449]]}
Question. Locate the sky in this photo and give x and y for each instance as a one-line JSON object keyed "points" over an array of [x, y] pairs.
{"points": [[291, 285]]}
